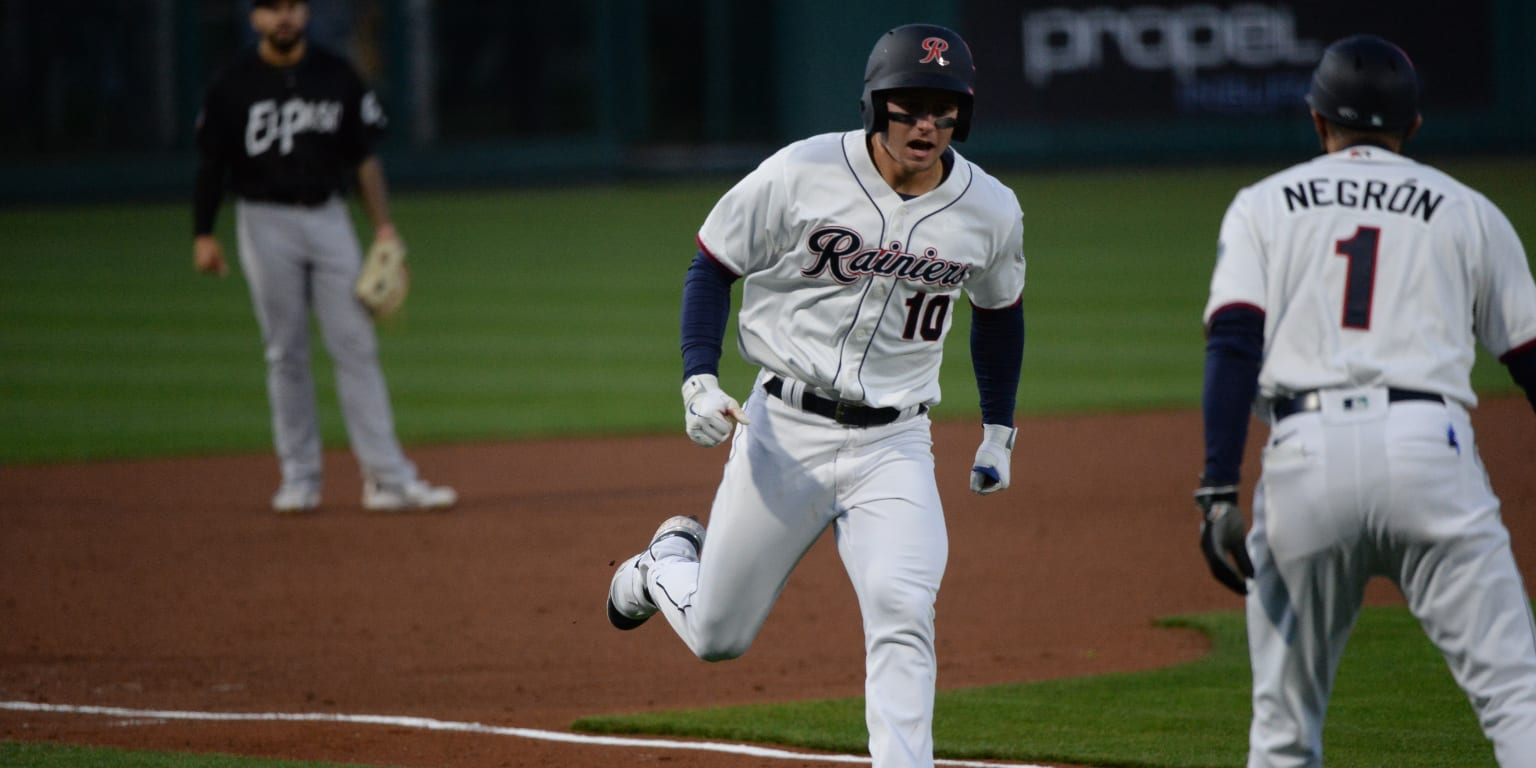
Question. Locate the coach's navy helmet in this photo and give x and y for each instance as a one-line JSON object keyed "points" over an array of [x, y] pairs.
{"points": [[918, 56], [1365, 83]]}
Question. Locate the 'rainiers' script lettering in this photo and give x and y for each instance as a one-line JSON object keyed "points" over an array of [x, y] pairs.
{"points": [[840, 252]]}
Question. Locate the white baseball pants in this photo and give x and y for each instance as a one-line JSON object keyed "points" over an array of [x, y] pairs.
{"points": [[1364, 488], [790, 475]]}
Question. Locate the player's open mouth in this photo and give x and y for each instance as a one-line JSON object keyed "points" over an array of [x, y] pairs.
{"points": [[920, 147]]}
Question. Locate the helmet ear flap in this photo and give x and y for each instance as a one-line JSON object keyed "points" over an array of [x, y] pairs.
{"points": [[873, 110], [967, 108]]}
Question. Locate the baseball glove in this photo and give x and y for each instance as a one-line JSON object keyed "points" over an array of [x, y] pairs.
{"points": [[385, 281]]}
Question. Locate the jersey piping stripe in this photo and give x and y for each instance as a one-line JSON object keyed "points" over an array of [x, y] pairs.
{"points": [[911, 233], [1233, 306], [869, 282], [718, 264], [1528, 347]]}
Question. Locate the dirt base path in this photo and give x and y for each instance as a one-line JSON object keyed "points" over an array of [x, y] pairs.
{"points": [[168, 585]]}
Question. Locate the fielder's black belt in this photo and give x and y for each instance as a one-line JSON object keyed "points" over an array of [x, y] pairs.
{"points": [[1313, 401], [847, 414], [306, 198]]}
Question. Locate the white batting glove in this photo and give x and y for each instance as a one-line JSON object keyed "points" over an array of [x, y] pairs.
{"points": [[989, 473], [708, 411]]}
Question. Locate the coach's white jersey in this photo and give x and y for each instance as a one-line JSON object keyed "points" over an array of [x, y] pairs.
{"points": [[847, 287], [1361, 259]]}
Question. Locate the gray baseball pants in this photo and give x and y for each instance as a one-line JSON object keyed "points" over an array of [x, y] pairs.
{"points": [[297, 259]]}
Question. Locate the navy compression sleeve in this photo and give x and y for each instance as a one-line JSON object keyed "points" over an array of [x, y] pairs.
{"points": [[1521, 362], [1234, 351], [997, 353], [706, 305]]}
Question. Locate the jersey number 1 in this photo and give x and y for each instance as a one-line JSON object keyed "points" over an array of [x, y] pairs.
{"points": [[1361, 281]]}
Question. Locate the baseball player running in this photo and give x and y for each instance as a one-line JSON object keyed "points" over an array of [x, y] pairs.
{"points": [[1347, 294], [853, 248], [288, 123]]}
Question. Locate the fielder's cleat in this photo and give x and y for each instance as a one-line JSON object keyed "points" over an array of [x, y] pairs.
{"points": [[416, 494], [295, 499], [629, 602]]}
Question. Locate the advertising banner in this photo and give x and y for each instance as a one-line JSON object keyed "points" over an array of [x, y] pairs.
{"points": [[1121, 59]]}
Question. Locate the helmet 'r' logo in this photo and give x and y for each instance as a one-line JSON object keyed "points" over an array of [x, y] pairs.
{"points": [[935, 46]]}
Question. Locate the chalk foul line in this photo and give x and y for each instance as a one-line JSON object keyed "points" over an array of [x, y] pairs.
{"points": [[430, 724]]}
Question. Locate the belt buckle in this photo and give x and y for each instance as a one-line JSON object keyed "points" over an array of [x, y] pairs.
{"points": [[1310, 401], [840, 412]]}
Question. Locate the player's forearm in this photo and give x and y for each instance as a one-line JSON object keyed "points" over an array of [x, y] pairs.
{"points": [[1234, 350], [207, 193], [997, 354], [706, 308], [374, 193]]}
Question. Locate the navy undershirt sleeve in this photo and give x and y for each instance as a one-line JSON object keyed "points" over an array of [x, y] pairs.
{"points": [[1521, 363], [1234, 351], [706, 306], [997, 353]]}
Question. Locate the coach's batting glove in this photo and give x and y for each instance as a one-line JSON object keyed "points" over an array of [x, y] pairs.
{"points": [[989, 473], [1221, 536], [708, 411]]}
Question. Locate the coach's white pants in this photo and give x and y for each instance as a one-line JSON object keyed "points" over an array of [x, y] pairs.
{"points": [[790, 475], [1361, 489]]}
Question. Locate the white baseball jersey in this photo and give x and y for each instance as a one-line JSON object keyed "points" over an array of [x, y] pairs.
{"points": [[1376, 272], [1342, 253], [849, 290], [808, 228]]}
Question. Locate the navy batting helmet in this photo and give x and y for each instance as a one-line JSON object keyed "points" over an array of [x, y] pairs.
{"points": [[1366, 83], [918, 56]]}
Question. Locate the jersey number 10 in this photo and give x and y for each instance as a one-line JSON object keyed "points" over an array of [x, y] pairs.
{"points": [[925, 321], [1360, 283]]}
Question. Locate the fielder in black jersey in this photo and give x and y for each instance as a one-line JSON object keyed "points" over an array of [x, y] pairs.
{"points": [[289, 126]]}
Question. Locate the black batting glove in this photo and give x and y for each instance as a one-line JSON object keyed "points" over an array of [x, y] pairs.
{"points": [[1222, 536]]}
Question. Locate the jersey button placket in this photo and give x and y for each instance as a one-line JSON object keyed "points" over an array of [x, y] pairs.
{"points": [[864, 327]]}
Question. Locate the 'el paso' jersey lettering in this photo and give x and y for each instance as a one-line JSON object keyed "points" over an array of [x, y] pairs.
{"points": [[289, 133], [851, 289]]}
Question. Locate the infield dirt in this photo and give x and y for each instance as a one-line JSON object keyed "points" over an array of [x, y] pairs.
{"points": [[169, 584]]}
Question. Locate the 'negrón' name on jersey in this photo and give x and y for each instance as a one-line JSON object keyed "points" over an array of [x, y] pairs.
{"points": [[1405, 197]]}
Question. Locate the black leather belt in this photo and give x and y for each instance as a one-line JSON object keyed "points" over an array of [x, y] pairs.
{"points": [[1313, 401], [309, 199], [847, 414]]}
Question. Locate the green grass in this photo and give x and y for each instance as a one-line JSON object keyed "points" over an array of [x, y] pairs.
{"points": [[542, 312], [554, 311], [1395, 706]]}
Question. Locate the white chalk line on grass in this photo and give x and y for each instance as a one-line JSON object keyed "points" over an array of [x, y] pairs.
{"points": [[430, 724]]}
